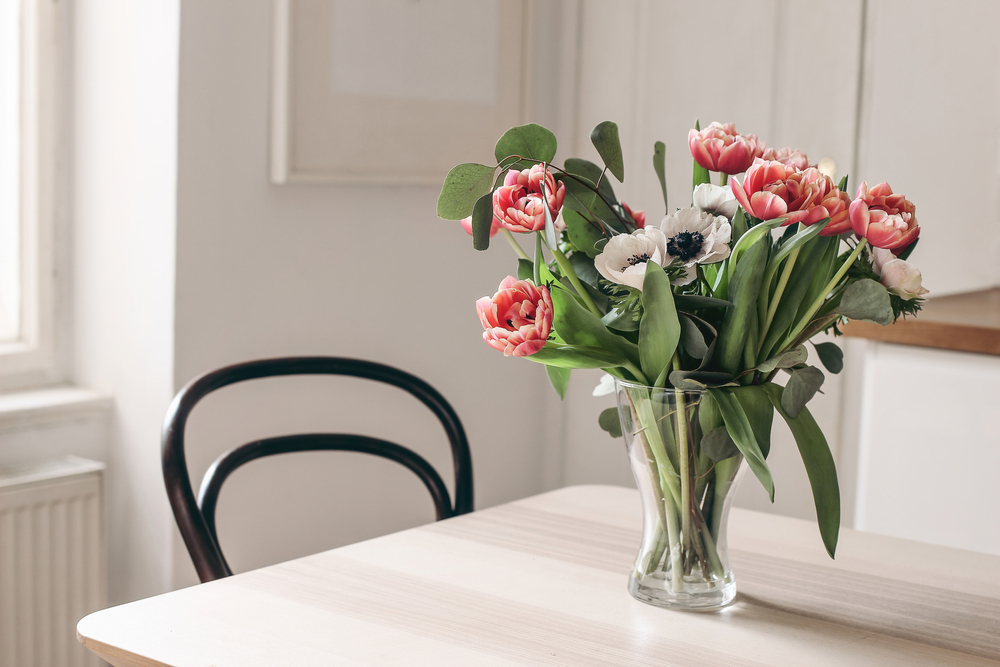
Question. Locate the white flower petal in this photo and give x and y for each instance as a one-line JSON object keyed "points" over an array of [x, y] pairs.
{"points": [[605, 386], [715, 199]]}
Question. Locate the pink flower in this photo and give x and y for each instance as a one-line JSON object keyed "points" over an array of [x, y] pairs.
{"points": [[518, 204], [467, 226], [638, 217], [773, 190], [899, 277], [888, 221], [790, 157], [719, 148], [518, 318]]}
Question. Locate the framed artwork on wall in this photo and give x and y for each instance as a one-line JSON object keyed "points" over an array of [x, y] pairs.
{"points": [[393, 91]]}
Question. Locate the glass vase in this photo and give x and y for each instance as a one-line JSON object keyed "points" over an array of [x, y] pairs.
{"points": [[686, 481]]}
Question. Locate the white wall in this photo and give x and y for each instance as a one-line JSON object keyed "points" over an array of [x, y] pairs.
{"points": [[125, 129]]}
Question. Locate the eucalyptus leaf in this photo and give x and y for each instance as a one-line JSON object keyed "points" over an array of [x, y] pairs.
{"points": [[610, 422], [800, 388], [742, 433], [659, 154], [866, 299], [831, 356], [819, 464], [698, 379], [718, 445], [743, 292], [609, 147], [583, 234], [709, 417], [482, 221], [463, 186], [592, 173], [525, 269], [559, 377], [786, 359], [659, 329], [692, 340], [582, 197], [527, 141]]}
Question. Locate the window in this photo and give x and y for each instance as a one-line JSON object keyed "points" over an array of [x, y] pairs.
{"points": [[28, 57]]}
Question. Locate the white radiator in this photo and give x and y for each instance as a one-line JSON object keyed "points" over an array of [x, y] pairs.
{"points": [[52, 560]]}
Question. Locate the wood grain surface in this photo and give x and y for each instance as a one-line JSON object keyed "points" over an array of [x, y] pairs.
{"points": [[542, 582], [962, 322]]}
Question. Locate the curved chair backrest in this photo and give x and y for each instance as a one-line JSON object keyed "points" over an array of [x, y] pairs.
{"points": [[196, 519]]}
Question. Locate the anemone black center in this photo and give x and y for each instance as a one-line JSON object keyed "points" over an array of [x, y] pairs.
{"points": [[685, 245], [636, 259]]}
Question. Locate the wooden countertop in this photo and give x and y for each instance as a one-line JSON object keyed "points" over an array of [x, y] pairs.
{"points": [[542, 581], [963, 322]]}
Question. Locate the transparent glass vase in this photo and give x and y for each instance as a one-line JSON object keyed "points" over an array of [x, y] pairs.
{"points": [[686, 494]]}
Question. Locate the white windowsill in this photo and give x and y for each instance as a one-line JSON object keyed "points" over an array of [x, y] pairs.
{"points": [[25, 409]]}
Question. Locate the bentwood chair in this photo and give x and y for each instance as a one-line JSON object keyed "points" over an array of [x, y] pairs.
{"points": [[196, 519]]}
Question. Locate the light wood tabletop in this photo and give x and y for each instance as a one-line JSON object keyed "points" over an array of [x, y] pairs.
{"points": [[541, 581]]}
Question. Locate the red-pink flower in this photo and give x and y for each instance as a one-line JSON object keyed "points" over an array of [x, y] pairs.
{"points": [[888, 221], [719, 148], [638, 217], [518, 318], [773, 190], [518, 204], [790, 157], [467, 226]]}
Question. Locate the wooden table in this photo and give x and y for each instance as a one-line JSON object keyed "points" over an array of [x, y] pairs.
{"points": [[542, 581]]}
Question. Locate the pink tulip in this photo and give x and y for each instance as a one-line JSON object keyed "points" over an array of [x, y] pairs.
{"points": [[518, 204], [467, 226], [790, 157], [888, 221], [638, 217], [518, 318], [719, 148], [774, 190]]}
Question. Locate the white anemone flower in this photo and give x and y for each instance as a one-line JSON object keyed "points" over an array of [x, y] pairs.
{"points": [[716, 200], [624, 258], [696, 237], [896, 275]]}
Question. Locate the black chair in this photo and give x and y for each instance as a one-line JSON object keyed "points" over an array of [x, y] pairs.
{"points": [[196, 519]]}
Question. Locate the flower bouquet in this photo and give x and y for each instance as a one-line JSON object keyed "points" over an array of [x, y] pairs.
{"points": [[692, 319]]}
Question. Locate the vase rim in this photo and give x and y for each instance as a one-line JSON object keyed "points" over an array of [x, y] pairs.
{"points": [[639, 385]]}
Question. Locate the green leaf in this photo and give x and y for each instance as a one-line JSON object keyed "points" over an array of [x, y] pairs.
{"points": [[573, 356], [584, 267], [718, 445], [759, 412], [905, 254], [795, 241], [742, 432], [527, 141], [659, 329], [605, 140], [692, 339], [866, 299], [699, 175], [463, 186], [743, 292], [754, 234], [831, 356], [583, 234], [525, 269], [800, 281], [536, 267], [827, 266], [818, 460], [709, 416], [842, 186], [786, 359], [591, 172], [800, 388], [621, 320], [688, 302], [739, 224], [610, 422], [698, 379], [579, 327], [482, 221], [659, 153], [581, 196], [559, 377]]}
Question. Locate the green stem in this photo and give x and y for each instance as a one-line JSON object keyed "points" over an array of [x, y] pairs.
{"points": [[778, 291], [514, 244], [634, 370], [723, 179], [570, 273], [684, 465], [676, 566], [830, 286]]}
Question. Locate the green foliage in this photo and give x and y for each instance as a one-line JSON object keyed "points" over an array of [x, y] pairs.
{"points": [[482, 221], [786, 359], [579, 327], [659, 152], [831, 356], [743, 293], [690, 302], [610, 422], [739, 225], [759, 412], [605, 140], [591, 172], [806, 268], [867, 299], [559, 377], [803, 384], [742, 433], [718, 445], [586, 236], [463, 186], [659, 329], [576, 356], [820, 467], [697, 379], [525, 269], [527, 141], [692, 339]]}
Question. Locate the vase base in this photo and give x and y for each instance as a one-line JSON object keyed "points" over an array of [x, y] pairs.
{"points": [[700, 596]]}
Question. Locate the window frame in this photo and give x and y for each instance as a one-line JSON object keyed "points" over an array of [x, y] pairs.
{"points": [[32, 360]]}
